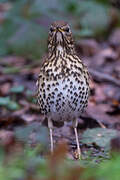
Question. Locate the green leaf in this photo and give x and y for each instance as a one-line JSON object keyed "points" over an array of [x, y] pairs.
{"points": [[83, 33], [11, 105], [3, 48], [41, 133], [11, 70], [94, 16], [29, 92], [4, 101], [23, 133], [17, 89], [46, 8], [2, 155], [28, 41], [99, 136], [106, 170]]}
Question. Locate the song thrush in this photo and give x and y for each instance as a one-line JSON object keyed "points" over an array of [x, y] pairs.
{"points": [[63, 83]]}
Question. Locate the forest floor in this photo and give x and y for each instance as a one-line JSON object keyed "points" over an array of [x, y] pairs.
{"points": [[18, 105]]}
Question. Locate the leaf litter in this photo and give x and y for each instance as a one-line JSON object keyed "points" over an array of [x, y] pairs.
{"points": [[18, 74]]}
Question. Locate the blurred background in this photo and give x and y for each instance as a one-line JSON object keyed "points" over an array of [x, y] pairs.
{"points": [[24, 26]]}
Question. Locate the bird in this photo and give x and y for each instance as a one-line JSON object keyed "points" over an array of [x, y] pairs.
{"points": [[63, 82]]}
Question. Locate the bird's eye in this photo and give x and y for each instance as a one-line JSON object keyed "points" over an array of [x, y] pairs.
{"points": [[67, 29], [51, 29]]}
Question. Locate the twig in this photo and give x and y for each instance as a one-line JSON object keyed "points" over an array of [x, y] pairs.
{"points": [[100, 76]]}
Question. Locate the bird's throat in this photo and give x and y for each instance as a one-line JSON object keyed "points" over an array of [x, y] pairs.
{"points": [[59, 49]]}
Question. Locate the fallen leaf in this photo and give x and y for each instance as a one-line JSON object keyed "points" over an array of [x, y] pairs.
{"points": [[99, 136]]}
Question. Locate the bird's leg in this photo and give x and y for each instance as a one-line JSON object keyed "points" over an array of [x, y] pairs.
{"points": [[75, 123], [50, 126]]}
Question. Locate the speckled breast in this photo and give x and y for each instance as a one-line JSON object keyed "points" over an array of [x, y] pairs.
{"points": [[63, 88]]}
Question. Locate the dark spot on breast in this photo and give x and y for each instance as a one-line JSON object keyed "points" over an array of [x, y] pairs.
{"points": [[56, 68], [74, 88], [74, 100], [43, 78], [57, 83], [45, 107], [76, 79], [51, 102], [52, 97], [75, 66], [40, 76], [39, 95], [86, 101], [79, 69], [56, 89], [57, 104], [48, 98], [75, 94], [49, 95], [65, 87], [74, 75], [53, 93], [55, 78], [75, 104], [59, 95], [44, 96]]}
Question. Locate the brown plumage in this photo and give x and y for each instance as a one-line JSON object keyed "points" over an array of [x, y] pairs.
{"points": [[63, 83]]}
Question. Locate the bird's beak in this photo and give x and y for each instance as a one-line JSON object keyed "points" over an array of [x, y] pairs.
{"points": [[59, 29], [59, 34]]}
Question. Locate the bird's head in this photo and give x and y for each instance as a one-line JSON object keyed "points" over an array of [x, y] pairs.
{"points": [[60, 37]]}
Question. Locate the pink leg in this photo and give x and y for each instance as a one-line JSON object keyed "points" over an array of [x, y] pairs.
{"points": [[50, 126]]}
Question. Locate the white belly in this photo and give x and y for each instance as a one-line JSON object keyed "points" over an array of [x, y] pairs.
{"points": [[66, 98]]}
